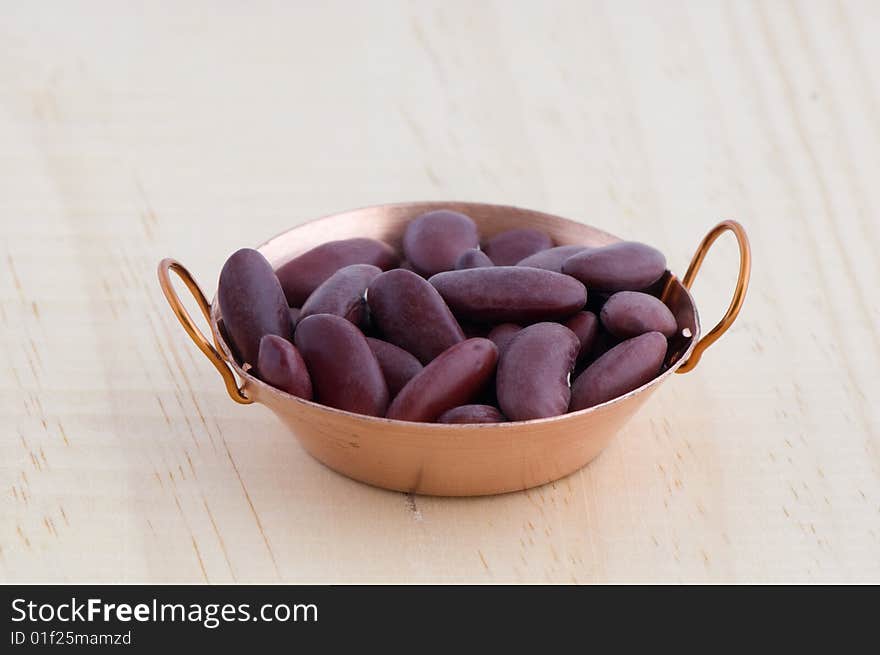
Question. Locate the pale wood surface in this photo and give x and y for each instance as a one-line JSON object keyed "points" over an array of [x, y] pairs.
{"points": [[133, 131]]}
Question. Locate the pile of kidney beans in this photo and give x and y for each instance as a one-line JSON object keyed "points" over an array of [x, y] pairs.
{"points": [[453, 333]]}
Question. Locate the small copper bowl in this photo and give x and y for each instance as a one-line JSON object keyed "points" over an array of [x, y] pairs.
{"points": [[454, 460]]}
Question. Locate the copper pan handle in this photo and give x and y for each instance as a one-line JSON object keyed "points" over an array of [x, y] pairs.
{"points": [[166, 265], [739, 294]]}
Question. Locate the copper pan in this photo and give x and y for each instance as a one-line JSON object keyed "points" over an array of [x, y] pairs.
{"points": [[454, 460]]}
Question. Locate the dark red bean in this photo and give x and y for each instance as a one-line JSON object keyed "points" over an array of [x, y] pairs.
{"points": [[302, 275], [532, 380], [343, 294], [454, 378], [628, 314], [433, 242], [511, 246], [502, 334], [473, 258], [622, 369], [252, 302], [410, 313], [585, 325], [345, 373], [622, 266], [397, 365], [472, 414], [280, 364], [552, 258], [516, 294]]}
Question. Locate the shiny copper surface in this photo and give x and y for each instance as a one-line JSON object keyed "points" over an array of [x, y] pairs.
{"points": [[452, 460], [739, 293]]}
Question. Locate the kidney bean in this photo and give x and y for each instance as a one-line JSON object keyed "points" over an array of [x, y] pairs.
{"points": [[280, 364], [515, 294], [622, 266], [411, 314], [345, 373], [453, 378], [472, 414], [585, 325], [434, 241], [552, 258], [343, 294], [532, 380], [302, 275], [472, 259], [397, 365], [628, 314], [502, 334], [511, 246], [622, 369], [252, 302]]}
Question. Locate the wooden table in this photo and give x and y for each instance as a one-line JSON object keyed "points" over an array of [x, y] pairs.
{"points": [[189, 130]]}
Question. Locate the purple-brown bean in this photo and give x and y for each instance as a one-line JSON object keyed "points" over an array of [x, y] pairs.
{"points": [[345, 373], [532, 379], [628, 314], [280, 364], [552, 258], [342, 294], [410, 313], [511, 246], [473, 258], [434, 241], [502, 334], [454, 378], [622, 369], [622, 266], [516, 294], [585, 326], [397, 365], [303, 274], [252, 303], [472, 414]]}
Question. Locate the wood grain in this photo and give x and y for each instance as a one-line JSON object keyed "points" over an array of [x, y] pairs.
{"points": [[133, 133]]}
